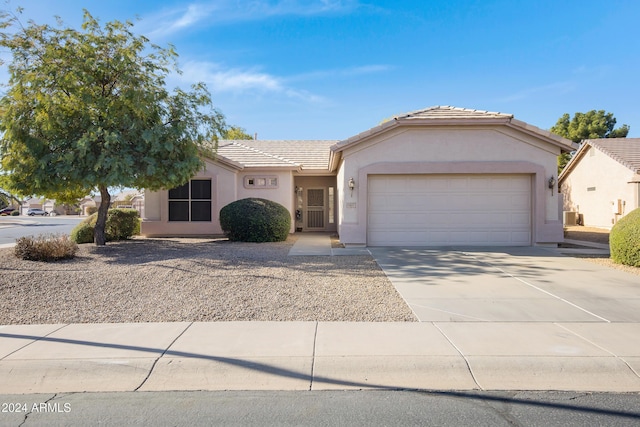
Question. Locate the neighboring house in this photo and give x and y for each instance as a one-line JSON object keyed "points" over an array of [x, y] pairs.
{"points": [[129, 199], [436, 177], [601, 183], [31, 203], [89, 202], [47, 205]]}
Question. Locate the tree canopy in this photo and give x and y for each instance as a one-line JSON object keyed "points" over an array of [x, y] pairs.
{"points": [[89, 110], [235, 132], [590, 125]]}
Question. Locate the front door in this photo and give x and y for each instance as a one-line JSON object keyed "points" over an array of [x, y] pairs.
{"points": [[315, 209]]}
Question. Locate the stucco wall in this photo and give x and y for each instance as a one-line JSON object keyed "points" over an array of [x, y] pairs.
{"points": [[593, 184], [449, 150], [156, 220], [227, 185]]}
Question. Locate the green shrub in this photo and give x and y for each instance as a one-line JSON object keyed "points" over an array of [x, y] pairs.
{"points": [[121, 225], [48, 247], [91, 210], [82, 233], [624, 239], [255, 220], [15, 213]]}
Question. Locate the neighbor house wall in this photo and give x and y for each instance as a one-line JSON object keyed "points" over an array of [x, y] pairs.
{"points": [[594, 182], [450, 150]]}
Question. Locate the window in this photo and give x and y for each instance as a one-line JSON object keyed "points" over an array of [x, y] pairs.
{"points": [[191, 201], [260, 182]]}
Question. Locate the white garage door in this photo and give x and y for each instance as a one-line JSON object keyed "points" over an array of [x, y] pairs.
{"points": [[442, 210]]}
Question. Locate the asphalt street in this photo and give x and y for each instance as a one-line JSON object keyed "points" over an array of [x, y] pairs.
{"points": [[12, 228], [326, 408]]}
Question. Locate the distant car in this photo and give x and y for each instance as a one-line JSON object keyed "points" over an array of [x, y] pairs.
{"points": [[36, 211], [7, 211]]}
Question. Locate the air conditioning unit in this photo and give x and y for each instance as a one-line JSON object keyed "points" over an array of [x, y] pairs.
{"points": [[570, 218]]}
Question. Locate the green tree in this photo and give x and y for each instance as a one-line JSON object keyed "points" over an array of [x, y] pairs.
{"points": [[590, 125], [88, 110], [235, 132]]}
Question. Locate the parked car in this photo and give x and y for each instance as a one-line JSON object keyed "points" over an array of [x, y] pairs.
{"points": [[36, 211], [7, 211]]}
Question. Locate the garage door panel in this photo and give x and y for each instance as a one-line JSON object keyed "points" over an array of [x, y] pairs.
{"points": [[438, 210]]}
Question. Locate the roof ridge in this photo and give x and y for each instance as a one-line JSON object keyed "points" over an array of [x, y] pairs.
{"points": [[452, 108], [255, 150]]}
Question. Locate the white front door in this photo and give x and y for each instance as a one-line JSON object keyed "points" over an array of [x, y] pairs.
{"points": [[315, 209]]}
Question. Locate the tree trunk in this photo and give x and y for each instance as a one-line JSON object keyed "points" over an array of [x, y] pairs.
{"points": [[98, 233]]}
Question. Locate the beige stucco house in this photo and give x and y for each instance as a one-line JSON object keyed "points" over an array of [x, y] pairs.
{"points": [[601, 183], [435, 177]]}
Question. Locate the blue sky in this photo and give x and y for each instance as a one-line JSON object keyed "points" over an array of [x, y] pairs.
{"points": [[330, 69]]}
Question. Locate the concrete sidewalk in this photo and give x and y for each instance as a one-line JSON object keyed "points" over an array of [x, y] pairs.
{"points": [[555, 348], [319, 356]]}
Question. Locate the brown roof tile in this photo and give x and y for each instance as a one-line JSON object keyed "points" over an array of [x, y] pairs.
{"points": [[310, 154]]}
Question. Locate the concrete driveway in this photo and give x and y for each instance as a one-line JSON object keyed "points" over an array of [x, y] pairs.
{"points": [[525, 284]]}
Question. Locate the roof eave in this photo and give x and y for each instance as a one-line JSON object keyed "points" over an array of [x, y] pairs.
{"points": [[565, 145]]}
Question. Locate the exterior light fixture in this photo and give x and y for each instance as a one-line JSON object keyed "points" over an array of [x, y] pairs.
{"points": [[552, 183], [352, 185]]}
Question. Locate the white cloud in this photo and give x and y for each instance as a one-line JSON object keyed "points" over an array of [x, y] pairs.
{"points": [[229, 11], [242, 81]]}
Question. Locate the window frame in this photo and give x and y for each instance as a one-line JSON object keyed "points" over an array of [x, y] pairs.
{"points": [[184, 196]]}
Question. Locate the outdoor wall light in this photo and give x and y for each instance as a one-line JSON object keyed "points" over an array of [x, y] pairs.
{"points": [[352, 185], [552, 183]]}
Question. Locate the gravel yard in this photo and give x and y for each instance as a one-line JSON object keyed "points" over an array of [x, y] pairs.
{"points": [[167, 280]]}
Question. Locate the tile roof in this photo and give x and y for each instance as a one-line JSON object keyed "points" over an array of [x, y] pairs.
{"points": [[624, 150], [455, 116], [308, 154], [448, 112]]}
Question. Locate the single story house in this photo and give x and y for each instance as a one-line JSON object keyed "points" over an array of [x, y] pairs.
{"points": [[601, 183], [48, 205], [442, 176], [129, 199], [89, 203]]}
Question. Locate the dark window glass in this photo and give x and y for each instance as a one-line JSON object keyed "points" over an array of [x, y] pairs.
{"points": [[181, 192], [178, 211], [201, 189], [201, 211]]}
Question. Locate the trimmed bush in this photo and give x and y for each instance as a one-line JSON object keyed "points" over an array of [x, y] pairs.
{"points": [[624, 240], [82, 233], [15, 213], [48, 247], [91, 210], [255, 220], [121, 225]]}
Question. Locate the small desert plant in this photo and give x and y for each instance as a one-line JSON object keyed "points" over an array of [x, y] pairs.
{"points": [[121, 225], [255, 220], [47, 247], [624, 239]]}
